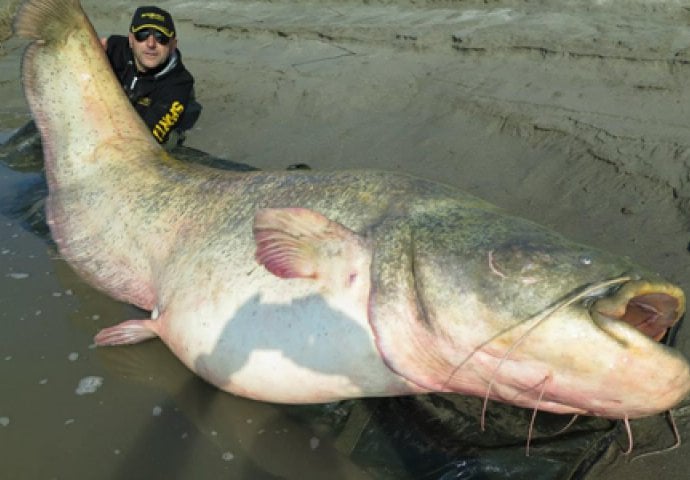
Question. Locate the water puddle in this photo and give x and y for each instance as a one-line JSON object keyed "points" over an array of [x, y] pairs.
{"points": [[5, 135]]}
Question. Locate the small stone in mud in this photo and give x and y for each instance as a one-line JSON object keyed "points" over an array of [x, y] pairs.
{"points": [[314, 443], [157, 411], [4, 421], [73, 357], [227, 456], [88, 385], [18, 276]]}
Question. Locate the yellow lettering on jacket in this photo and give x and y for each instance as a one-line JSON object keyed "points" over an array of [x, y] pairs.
{"points": [[168, 121]]}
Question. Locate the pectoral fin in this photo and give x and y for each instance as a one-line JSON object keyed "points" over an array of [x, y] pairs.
{"points": [[302, 243]]}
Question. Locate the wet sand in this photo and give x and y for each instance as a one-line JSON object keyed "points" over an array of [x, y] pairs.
{"points": [[573, 114]]}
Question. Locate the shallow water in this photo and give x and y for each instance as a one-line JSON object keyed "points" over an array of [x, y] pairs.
{"points": [[106, 413], [5, 135]]}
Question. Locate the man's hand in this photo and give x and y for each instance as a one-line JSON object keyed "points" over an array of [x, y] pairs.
{"points": [[104, 42]]}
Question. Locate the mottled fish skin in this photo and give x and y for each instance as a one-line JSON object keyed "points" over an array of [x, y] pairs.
{"points": [[307, 287]]}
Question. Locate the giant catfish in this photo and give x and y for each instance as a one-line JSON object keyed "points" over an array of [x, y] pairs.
{"points": [[303, 287]]}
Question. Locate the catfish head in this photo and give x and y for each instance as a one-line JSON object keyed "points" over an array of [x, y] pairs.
{"points": [[471, 301]]}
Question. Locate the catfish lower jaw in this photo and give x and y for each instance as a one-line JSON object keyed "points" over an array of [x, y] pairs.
{"points": [[650, 377], [639, 307], [600, 357]]}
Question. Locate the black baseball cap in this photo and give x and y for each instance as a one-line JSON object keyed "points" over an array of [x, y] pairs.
{"points": [[153, 17]]}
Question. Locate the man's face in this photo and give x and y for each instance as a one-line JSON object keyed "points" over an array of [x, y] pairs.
{"points": [[149, 54]]}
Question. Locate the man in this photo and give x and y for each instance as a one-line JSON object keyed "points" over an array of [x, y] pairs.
{"points": [[149, 67]]}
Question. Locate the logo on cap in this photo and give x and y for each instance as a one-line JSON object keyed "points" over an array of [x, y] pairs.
{"points": [[154, 16]]}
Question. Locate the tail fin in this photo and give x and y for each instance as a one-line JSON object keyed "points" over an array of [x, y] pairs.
{"points": [[47, 20]]}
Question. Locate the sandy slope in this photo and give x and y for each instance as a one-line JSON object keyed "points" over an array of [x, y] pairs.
{"points": [[570, 113]]}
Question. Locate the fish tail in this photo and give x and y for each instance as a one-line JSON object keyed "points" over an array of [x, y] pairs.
{"points": [[48, 20]]}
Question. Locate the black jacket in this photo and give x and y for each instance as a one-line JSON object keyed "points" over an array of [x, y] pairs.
{"points": [[162, 96]]}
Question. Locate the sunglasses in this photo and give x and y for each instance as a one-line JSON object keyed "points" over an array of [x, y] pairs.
{"points": [[142, 35]]}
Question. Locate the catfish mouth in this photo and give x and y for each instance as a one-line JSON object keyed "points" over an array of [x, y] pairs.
{"points": [[650, 308]]}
